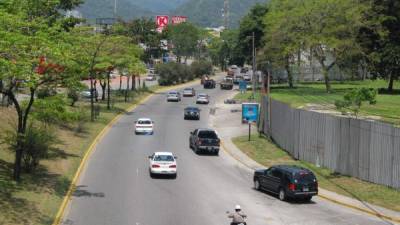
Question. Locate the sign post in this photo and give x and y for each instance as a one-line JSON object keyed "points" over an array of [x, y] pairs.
{"points": [[250, 112]]}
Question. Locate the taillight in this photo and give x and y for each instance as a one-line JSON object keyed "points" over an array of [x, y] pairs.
{"points": [[292, 187], [155, 166], [172, 166]]}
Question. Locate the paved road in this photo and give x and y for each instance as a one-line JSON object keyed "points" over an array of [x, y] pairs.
{"points": [[116, 188]]}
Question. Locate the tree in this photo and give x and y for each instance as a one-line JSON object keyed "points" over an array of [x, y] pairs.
{"points": [[253, 22], [144, 31], [329, 28], [184, 38], [383, 48], [32, 55], [353, 100]]}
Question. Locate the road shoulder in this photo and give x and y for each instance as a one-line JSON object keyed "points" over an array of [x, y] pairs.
{"points": [[226, 121]]}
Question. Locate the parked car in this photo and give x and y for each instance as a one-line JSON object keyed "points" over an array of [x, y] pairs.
{"points": [[173, 96], [144, 126], [163, 163], [87, 94], [209, 84], [189, 92], [191, 112], [202, 99], [151, 77], [287, 181], [204, 140]]}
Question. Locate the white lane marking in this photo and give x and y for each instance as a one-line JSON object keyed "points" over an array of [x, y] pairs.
{"points": [[137, 171]]}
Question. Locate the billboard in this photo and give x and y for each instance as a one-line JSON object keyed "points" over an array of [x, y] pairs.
{"points": [[250, 112], [162, 22], [178, 19]]}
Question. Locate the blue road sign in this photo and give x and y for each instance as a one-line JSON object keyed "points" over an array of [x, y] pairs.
{"points": [[250, 112], [242, 85]]}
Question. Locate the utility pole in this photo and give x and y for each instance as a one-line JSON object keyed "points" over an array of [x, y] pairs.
{"points": [[226, 14], [254, 67]]}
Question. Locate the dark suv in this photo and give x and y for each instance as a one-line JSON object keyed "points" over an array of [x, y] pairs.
{"points": [[287, 181]]}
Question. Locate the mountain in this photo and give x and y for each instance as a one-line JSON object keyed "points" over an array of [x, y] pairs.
{"points": [[208, 13], [159, 6], [128, 9]]}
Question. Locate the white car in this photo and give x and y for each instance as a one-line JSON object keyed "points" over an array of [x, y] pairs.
{"points": [[202, 99], [247, 77], [151, 77], [144, 126], [173, 96], [163, 163]]}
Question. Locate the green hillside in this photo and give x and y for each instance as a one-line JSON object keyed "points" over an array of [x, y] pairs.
{"points": [[208, 13], [93, 9]]}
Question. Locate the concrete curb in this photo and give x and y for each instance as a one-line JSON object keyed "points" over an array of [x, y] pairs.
{"points": [[326, 197], [92, 147]]}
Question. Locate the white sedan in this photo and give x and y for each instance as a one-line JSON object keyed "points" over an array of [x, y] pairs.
{"points": [[163, 163], [144, 126]]}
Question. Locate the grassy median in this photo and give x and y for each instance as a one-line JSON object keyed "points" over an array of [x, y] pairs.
{"points": [[36, 199], [266, 153]]}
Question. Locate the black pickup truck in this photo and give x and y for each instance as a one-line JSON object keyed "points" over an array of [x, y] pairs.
{"points": [[204, 140]]}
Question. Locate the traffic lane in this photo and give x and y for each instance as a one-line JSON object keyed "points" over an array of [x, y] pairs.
{"points": [[206, 186]]}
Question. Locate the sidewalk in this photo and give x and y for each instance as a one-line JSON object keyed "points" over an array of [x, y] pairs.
{"points": [[227, 122]]}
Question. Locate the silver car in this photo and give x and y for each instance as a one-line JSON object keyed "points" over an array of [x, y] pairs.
{"points": [[173, 96], [203, 99]]}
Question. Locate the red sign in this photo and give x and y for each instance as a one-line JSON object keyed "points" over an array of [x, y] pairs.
{"points": [[162, 22], [178, 19]]}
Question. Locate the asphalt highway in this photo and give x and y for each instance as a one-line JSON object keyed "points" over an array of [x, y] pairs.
{"points": [[116, 189]]}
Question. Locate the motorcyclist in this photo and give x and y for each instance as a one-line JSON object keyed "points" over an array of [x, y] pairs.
{"points": [[238, 216]]}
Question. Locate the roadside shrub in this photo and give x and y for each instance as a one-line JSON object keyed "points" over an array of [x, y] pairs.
{"points": [[45, 92], [36, 143], [354, 99], [73, 95], [52, 110], [200, 68], [175, 73]]}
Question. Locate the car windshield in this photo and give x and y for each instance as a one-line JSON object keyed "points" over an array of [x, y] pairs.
{"points": [[202, 96], [192, 109], [208, 134], [188, 89], [304, 177], [166, 158], [144, 122]]}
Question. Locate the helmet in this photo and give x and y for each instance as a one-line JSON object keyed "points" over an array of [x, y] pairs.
{"points": [[237, 207]]}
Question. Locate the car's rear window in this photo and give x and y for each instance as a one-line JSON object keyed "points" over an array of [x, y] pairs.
{"points": [[304, 177], [167, 158], [144, 122], [208, 134]]}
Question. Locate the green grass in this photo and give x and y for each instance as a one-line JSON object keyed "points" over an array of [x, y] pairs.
{"points": [[387, 107], [36, 199], [268, 154]]}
